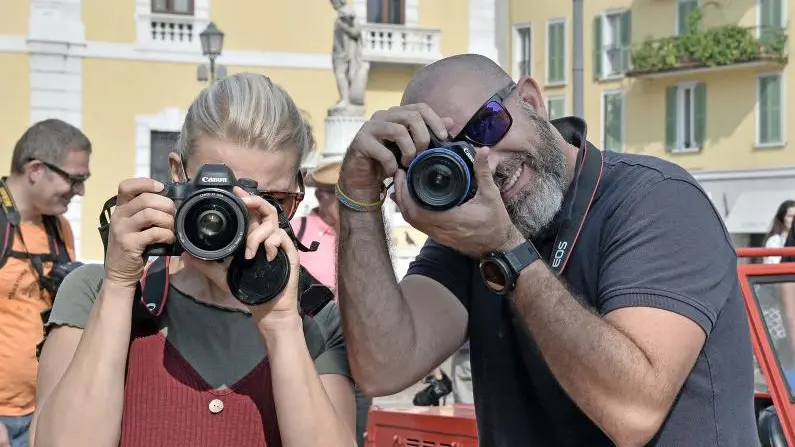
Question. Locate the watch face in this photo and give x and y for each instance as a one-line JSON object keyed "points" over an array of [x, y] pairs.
{"points": [[494, 274]]}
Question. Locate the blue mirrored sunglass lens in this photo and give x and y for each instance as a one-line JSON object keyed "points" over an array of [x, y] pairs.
{"points": [[489, 124]]}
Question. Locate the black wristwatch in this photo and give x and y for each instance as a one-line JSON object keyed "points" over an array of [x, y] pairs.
{"points": [[500, 270]]}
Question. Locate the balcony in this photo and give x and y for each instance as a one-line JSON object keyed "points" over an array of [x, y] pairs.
{"points": [[399, 44], [718, 48]]}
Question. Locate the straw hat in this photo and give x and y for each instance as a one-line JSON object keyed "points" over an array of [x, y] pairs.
{"points": [[327, 173]]}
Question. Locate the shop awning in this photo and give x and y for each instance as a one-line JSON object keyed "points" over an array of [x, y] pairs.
{"points": [[753, 211]]}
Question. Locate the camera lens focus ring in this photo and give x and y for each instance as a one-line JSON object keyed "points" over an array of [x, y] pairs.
{"points": [[438, 179], [211, 224]]}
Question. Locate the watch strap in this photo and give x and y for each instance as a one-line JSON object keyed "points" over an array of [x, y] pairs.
{"points": [[521, 256]]}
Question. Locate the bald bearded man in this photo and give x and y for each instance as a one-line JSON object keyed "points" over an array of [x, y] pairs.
{"points": [[636, 335]]}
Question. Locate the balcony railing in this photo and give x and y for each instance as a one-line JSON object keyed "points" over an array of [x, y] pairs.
{"points": [[387, 43], [713, 47], [168, 31]]}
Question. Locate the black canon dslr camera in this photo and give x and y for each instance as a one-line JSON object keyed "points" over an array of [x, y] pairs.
{"points": [[52, 281], [211, 223], [442, 176]]}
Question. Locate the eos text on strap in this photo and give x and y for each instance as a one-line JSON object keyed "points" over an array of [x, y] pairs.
{"points": [[500, 270]]}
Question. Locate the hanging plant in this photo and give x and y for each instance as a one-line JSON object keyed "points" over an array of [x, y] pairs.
{"points": [[712, 47]]}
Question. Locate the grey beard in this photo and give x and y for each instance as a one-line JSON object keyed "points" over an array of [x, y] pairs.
{"points": [[536, 208]]}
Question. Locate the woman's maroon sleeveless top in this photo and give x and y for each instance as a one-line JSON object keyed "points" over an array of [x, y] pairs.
{"points": [[168, 404]]}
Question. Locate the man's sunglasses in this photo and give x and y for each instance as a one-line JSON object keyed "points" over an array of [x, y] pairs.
{"points": [[74, 180], [491, 122]]}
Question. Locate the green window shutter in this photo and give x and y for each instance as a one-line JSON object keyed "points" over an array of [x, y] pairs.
{"points": [[700, 114], [561, 51], [670, 118], [613, 138], [764, 111], [626, 39], [777, 13], [685, 8], [770, 109], [552, 53], [765, 17], [597, 47], [775, 109]]}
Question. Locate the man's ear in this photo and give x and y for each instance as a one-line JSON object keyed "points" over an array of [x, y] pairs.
{"points": [[34, 171], [528, 90]]}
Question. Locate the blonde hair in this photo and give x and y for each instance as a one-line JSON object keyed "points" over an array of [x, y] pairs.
{"points": [[250, 111]]}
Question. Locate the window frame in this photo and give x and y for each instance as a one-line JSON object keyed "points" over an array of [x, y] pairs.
{"points": [[782, 111], [677, 31], [556, 21], [622, 119], [153, 135], [557, 97], [385, 12], [618, 13], [517, 47], [784, 17], [170, 8], [680, 117]]}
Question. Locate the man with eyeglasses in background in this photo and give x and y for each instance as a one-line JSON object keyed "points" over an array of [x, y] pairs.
{"points": [[49, 167]]}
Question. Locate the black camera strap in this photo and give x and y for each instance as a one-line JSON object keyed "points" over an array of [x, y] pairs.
{"points": [[152, 289], [588, 173], [10, 227]]}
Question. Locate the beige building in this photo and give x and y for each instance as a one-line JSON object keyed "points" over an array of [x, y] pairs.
{"points": [[125, 70], [713, 100]]}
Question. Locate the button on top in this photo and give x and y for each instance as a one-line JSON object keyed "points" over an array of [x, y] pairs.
{"points": [[216, 406]]}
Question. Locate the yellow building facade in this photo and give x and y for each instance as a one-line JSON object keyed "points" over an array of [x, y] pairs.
{"points": [[703, 84], [125, 71]]}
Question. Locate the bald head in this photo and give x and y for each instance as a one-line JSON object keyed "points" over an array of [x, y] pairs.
{"points": [[471, 72]]}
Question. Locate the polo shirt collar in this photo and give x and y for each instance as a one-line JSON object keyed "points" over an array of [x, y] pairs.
{"points": [[574, 130]]}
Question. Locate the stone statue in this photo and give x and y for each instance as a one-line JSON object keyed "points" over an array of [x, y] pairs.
{"points": [[349, 69]]}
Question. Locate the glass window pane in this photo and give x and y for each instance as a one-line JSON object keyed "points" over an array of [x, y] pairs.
{"points": [[374, 11], [182, 6], [162, 144], [159, 5]]}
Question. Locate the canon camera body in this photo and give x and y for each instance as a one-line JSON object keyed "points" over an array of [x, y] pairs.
{"points": [[211, 222]]}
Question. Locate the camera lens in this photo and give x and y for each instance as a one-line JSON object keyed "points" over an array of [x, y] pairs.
{"points": [[438, 179], [211, 225]]}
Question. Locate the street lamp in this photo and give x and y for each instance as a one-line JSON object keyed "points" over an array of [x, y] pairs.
{"points": [[212, 40]]}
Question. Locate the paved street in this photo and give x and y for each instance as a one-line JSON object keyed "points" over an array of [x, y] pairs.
{"points": [[405, 397]]}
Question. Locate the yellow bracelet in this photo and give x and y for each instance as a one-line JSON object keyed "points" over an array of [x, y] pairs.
{"points": [[356, 205]]}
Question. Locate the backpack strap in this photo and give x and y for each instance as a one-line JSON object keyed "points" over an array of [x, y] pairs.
{"points": [[58, 249], [7, 235]]}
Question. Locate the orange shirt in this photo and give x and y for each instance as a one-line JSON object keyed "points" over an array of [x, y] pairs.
{"points": [[21, 327]]}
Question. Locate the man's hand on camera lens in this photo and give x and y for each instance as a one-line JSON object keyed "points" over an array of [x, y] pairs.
{"points": [[477, 227], [142, 218], [369, 162]]}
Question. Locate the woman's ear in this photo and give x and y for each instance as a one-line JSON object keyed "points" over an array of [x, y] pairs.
{"points": [[175, 167]]}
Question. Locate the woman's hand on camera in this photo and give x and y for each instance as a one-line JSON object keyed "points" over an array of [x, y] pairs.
{"points": [[369, 162], [264, 232], [142, 217]]}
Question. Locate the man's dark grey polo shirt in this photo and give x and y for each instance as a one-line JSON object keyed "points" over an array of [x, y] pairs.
{"points": [[652, 238]]}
